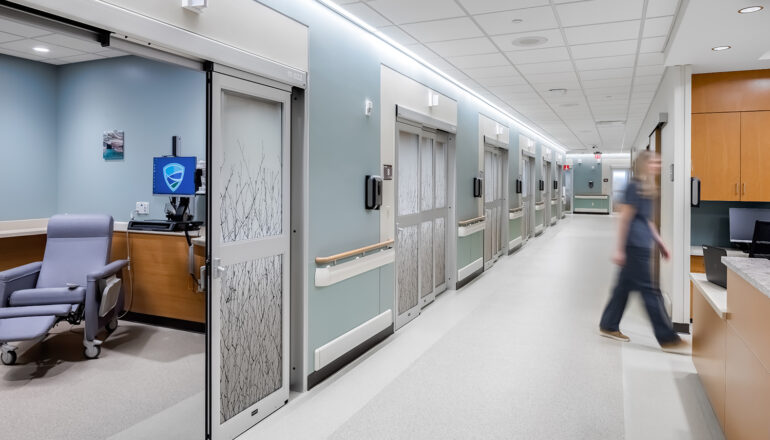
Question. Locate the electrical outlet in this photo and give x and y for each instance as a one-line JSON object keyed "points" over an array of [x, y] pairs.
{"points": [[143, 208]]}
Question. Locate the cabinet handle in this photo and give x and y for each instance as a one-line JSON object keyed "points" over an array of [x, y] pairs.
{"points": [[736, 189], [743, 189]]}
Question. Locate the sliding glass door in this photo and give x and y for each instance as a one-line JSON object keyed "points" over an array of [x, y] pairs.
{"points": [[248, 371], [421, 177]]}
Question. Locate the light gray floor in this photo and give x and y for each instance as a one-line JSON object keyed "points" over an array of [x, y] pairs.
{"points": [[514, 355], [54, 393]]}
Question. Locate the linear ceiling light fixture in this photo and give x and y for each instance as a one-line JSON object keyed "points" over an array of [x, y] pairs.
{"points": [[41, 49], [720, 48], [372, 30], [750, 9]]}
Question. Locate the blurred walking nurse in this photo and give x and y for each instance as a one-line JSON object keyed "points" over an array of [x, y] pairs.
{"points": [[636, 239]]}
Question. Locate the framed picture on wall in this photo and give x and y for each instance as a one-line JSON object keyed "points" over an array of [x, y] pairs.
{"points": [[113, 145]]}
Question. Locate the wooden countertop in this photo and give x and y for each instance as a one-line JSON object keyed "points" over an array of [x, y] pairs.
{"points": [[24, 228]]}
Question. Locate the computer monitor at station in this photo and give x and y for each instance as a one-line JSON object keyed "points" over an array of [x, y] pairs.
{"points": [[742, 221], [174, 175]]}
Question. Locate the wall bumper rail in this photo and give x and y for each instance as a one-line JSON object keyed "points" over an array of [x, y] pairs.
{"points": [[513, 214], [327, 353]]}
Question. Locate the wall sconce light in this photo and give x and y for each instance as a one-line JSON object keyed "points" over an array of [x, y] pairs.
{"points": [[498, 129], [196, 6]]}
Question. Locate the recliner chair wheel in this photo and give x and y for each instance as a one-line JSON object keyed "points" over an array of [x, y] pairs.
{"points": [[92, 352], [8, 358]]}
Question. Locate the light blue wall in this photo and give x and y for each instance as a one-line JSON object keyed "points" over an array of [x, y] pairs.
{"points": [[513, 169], [583, 172], [151, 102], [27, 139]]}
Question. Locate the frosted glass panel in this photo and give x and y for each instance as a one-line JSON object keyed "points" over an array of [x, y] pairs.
{"points": [[407, 173], [439, 255], [251, 340], [441, 175], [251, 175], [426, 258], [407, 268], [426, 175]]}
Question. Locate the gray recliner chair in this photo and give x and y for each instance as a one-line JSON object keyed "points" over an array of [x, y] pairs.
{"points": [[70, 284]]}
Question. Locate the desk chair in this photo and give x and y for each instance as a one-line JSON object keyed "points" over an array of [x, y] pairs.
{"points": [[760, 243], [72, 283]]}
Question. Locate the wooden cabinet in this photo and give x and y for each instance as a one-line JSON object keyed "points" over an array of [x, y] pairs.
{"points": [[747, 392], [716, 154], [708, 353], [755, 155]]}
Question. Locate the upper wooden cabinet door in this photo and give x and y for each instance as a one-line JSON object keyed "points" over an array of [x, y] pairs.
{"points": [[716, 154], [755, 155]]}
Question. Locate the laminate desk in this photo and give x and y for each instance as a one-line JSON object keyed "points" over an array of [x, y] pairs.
{"points": [[160, 261]]}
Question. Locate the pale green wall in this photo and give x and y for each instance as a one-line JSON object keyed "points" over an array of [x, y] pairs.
{"points": [[514, 228], [469, 249]]}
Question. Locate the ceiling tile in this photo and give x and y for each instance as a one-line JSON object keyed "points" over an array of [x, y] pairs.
{"points": [[657, 27], [469, 46], [647, 79], [657, 8], [110, 53], [605, 62], [502, 80], [650, 70], [422, 52], [596, 84], [511, 89], [597, 33], [80, 58], [398, 35], [22, 30], [541, 78], [367, 14], [28, 45], [655, 44], [599, 11], [533, 19], [18, 54], [70, 42], [646, 59], [486, 60], [596, 50], [451, 29], [4, 38], [491, 72], [626, 72], [552, 67], [483, 6], [410, 11], [539, 55], [553, 36]]}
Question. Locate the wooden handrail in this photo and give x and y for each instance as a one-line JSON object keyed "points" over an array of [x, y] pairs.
{"points": [[514, 210], [362, 250], [471, 221], [540, 203]]}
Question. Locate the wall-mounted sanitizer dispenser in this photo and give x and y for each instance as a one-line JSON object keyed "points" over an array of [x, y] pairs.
{"points": [[541, 185], [590, 183], [555, 184], [478, 187], [373, 192], [518, 186]]}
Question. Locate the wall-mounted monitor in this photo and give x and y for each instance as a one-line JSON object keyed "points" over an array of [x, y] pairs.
{"points": [[174, 176]]}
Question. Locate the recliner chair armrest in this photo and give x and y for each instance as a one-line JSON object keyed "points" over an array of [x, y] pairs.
{"points": [[110, 269], [18, 278], [20, 272]]}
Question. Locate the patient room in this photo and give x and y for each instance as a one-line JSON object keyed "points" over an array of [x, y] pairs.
{"points": [[103, 152]]}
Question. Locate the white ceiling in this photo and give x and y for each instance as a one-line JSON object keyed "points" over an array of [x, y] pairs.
{"points": [[19, 39], [710, 23], [608, 54]]}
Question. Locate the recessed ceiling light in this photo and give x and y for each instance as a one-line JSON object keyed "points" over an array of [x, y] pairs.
{"points": [[529, 41], [719, 48], [750, 9], [516, 21], [41, 49], [558, 91]]}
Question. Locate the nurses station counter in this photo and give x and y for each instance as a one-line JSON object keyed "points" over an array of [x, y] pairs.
{"points": [[731, 346], [160, 262]]}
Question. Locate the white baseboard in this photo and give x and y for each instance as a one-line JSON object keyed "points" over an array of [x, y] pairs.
{"points": [[513, 244], [602, 210], [470, 269], [330, 351]]}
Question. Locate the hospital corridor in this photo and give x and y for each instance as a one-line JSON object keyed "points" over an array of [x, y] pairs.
{"points": [[384, 219]]}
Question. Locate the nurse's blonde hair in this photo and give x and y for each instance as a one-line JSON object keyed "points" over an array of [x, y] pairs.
{"points": [[645, 179]]}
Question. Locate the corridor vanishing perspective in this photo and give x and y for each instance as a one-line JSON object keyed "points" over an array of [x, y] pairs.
{"points": [[514, 355]]}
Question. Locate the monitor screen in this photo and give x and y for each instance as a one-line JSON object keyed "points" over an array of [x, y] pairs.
{"points": [[173, 175], [742, 223]]}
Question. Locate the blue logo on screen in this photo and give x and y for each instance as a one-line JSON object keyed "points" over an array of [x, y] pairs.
{"points": [[173, 175]]}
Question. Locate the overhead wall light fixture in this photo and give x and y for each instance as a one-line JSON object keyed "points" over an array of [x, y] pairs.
{"points": [[41, 49], [720, 48]]}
